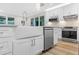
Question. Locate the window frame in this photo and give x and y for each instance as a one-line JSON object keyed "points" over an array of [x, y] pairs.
{"points": [[39, 24], [8, 20], [3, 17]]}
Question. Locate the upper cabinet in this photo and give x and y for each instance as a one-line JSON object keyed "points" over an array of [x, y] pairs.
{"points": [[55, 12], [70, 9]]}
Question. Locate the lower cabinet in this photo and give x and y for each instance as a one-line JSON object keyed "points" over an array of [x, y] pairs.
{"points": [[38, 45], [21, 47], [29, 46], [57, 34], [5, 46]]}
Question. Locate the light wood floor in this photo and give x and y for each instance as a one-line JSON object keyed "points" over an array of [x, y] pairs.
{"points": [[64, 48]]}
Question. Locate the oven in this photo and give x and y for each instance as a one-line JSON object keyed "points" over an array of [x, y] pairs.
{"points": [[69, 32]]}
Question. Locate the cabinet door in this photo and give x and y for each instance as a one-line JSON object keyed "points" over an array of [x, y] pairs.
{"points": [[22, 47], [57, 34], [5, 45], [38, 45], [70, 9]]}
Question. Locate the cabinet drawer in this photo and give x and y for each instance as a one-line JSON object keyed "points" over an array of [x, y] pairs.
{"points": [[6, 39], [5, 33]]}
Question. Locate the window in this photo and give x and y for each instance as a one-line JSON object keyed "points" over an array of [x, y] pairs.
{"points": [[2, 20], [37, 21], [32, 22], [41, 20], [10, 20]]}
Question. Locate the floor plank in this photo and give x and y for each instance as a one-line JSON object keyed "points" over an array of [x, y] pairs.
{"points": [[64, 48]]}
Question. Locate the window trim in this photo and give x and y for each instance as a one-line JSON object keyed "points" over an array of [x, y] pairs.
{"points": [[38, 20]]}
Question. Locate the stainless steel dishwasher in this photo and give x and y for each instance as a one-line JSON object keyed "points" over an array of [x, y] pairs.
{"points": [[48, 37]]}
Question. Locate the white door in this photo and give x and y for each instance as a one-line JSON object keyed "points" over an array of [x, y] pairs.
{"points": [[38, 45], [22, 47]]}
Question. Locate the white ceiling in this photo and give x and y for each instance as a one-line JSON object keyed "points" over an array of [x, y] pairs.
{"points": [[49, 5], [19, 8]]}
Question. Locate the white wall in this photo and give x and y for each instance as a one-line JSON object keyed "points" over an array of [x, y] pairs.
{"points": [[19, 19]]}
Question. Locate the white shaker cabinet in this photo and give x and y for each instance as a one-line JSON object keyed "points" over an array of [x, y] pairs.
{"points": [[21, 47], [28, 46], [38, 45], [70, 9], [57, 34], [6, 37], [5, 46]]}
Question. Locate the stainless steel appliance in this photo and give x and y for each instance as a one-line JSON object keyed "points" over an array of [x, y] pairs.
{"points": [[48, 37], [53, 19], [70, 33], [71, 17]]}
